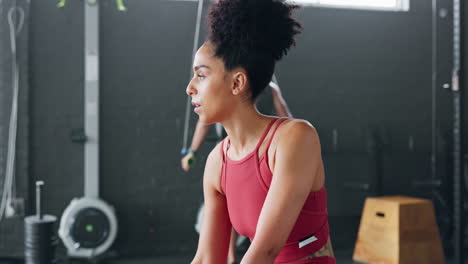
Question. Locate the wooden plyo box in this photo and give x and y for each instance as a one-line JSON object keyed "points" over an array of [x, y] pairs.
{"points": [[398, 230]]}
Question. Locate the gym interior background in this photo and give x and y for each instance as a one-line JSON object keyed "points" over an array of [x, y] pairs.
{"points": [[377, 85]]}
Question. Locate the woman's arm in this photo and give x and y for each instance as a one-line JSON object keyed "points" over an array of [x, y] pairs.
{"points": [[296, 163], [216, 227], [281, 107]]}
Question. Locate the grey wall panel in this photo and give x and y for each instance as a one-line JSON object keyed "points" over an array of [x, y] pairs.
{"points": [[145, 63], [56, 80], [354, 71]]}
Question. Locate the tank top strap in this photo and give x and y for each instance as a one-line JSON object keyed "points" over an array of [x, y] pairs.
{"points": [[265, 133], [223, 168], [222, 150], [228, 143], [281, 120]]}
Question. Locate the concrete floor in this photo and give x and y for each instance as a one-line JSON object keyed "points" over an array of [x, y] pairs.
{"points": [[343, 256]]}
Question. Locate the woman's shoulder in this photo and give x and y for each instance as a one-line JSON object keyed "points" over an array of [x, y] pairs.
{"points": [[294, 132], [217, 153], [296, 137], [297, 127], [213, 167]]}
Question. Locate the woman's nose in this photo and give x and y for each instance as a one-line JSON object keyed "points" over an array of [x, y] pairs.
{"points": [[190, 89]]}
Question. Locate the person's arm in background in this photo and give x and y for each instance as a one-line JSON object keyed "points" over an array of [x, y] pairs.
{"points": [[280, 105], [201, 130]]}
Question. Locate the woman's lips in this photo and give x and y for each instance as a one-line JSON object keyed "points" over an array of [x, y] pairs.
{"points": [[197, 107]]}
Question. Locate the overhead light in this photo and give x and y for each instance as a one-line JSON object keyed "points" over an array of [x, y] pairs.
{"points": [[390, 5]]}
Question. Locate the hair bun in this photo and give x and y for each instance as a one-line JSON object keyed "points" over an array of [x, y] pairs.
{"points": [[252, 34], [261, 25]]}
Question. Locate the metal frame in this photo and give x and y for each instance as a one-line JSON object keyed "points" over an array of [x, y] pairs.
{"points": [[91, 148], [91, 162], [457, 90]]}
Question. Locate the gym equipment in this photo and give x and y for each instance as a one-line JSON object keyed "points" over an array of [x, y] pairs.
{"points": [[88, 226], [39, 238], [398, 230]]}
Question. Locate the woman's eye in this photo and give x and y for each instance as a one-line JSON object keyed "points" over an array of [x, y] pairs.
{"points": [[200, 76]]}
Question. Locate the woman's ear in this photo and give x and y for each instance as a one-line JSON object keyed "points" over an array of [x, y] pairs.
{"points": [[239, 82]]}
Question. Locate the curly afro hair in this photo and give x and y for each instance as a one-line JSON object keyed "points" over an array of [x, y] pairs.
{"points": [[252, 34]]}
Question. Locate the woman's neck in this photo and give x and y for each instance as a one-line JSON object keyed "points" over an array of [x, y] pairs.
{"points": [[244, 128]]}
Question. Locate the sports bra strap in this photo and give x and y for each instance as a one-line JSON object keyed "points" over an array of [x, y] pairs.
{"points": [[278, 122], [265, 133], [259, 143], [281, 120], [222, 150]]}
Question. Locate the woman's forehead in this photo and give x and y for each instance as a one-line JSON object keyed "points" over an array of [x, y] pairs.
{"points": [[206, 51], [205, 56]]}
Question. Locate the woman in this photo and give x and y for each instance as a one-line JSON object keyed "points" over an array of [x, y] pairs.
{"points": [[270, 98], [266, 178]]}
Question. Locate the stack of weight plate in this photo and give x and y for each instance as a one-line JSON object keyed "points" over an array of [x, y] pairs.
{"points": [[40, 239]]}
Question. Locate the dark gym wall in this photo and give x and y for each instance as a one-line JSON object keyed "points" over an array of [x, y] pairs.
{"points": [[363, 78], [56, 79], [145, 61], [364, 74]]}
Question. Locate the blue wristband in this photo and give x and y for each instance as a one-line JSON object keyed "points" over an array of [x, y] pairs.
{"points": [[187, 151], [191, 151]]}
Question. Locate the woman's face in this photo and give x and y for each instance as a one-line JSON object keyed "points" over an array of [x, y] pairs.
{"points": [[210, 87]]}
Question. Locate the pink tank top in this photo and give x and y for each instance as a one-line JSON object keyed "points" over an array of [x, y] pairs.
{"points": [[245, 184]]}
